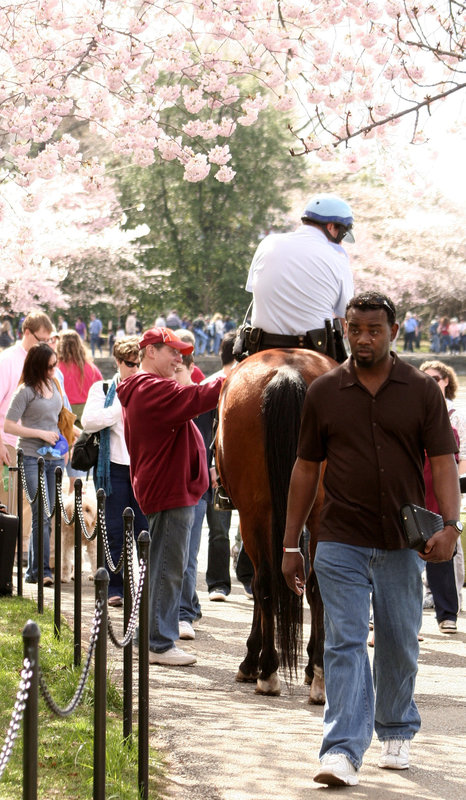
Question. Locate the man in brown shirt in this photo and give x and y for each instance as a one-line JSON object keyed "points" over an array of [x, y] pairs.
{"points": [[371, 419]]}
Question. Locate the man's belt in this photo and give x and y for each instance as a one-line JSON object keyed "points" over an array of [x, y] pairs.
{"points": [[311, 340]]}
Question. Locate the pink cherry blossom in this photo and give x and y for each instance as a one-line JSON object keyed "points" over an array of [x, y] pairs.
{"points": [[225, 174]]}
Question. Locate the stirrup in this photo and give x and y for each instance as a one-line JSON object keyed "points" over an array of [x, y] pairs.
{"points": [[221, 500]]}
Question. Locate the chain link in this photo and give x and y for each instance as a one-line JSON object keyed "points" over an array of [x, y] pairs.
{"points": [[17, 714], [108, 555], [134, 611], [129, 558], [48, 513], [76, 699], [67, 520], [25, 485], [87, 535]]}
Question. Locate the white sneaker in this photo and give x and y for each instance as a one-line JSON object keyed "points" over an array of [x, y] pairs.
{"points": [[173, 657], [337, 770], [218, 595], [186, 629], [395, 754]]}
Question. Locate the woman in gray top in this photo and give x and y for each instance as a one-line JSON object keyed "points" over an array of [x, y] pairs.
{"points": [[33, 417]]}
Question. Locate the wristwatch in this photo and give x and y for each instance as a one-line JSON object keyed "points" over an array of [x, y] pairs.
{"points": [[455, 523]]}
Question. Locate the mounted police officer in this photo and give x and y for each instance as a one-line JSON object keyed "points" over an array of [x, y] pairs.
{"points": [[301, 282]]}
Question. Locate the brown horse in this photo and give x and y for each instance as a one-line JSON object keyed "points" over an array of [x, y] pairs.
{"points": [[259, 419]]}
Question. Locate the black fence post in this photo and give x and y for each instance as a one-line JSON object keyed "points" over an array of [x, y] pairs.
{"points": [[100, 687], [19, 502], [100, 494], [78, 503], [143, 641], [31, 635], [57, 586], [40, 529], [128, 532]]}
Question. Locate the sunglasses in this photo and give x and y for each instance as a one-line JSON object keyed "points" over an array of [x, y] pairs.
{"points": [[131, 364], [52, 366], [436, 378]]}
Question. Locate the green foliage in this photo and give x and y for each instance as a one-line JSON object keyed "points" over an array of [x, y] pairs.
{"points": [[203, 235], [65, 752]]}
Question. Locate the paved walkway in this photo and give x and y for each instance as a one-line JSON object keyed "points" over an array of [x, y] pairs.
{"points": [[220, 741]]}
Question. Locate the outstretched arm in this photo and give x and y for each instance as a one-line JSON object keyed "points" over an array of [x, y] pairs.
{"points": [[301, 496]]}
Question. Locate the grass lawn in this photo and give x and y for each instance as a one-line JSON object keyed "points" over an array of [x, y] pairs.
{"points": [[65, 760]]}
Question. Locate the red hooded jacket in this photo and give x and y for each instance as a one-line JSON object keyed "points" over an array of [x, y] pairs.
{"points": [[167, 455]]}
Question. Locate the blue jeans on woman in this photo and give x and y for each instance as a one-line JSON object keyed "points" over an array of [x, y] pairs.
{"points": [[169, 531], [31, 473], [347, 577], [122, 497]]}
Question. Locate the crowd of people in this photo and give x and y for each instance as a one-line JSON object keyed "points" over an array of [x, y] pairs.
{"points": [[374, 419]]}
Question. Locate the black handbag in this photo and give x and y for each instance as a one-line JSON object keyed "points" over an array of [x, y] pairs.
{"points": [[86, 451], [9, 526], [419, 525]]}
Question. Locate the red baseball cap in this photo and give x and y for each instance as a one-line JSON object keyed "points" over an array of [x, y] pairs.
{"points": [[165, 336]]}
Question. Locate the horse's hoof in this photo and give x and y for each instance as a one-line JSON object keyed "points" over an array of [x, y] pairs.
{"points": [[317, 692], [271, 686], [241, 677]]}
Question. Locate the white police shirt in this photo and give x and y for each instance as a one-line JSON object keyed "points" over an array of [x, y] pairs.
{"points": [[298, 280]]}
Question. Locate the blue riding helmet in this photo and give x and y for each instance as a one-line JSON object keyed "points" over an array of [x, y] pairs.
{"points": [[323, 208]]}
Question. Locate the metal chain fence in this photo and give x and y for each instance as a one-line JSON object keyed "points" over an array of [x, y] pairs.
{"points": [[128, 637], [77, 697], [17, 714]]}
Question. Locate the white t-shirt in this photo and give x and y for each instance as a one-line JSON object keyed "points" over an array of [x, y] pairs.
{"points": [[298, 280]]}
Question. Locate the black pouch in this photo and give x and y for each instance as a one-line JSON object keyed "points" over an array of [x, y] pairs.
{"points": [[318, 340], [419, 525]]}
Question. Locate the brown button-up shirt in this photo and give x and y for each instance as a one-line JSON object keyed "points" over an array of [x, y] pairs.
{"points": [[374, 447]]}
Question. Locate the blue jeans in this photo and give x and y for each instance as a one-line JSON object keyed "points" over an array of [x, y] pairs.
{"points": [[95, 343], [31, 473], [347, 577], [218, 558], [201, 339], [442, 584], [170, 531], [190, 607], [122, 497]]}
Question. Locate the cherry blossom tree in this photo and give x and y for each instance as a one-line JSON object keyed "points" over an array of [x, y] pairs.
{"points": [[55, 231], [348, 70], [346, 73]]}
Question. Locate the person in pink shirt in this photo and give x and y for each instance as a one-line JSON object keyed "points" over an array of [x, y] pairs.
{"points": [[78, 371], [79, 374], [36, 327]]}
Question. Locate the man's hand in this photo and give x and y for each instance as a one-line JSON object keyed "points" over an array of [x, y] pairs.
{"points": [[441, 546], [4, 455], [293, 572]]}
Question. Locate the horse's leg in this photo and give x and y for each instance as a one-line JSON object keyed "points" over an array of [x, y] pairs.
{"points": [[314, 672], [268, 681], [249, 669]]}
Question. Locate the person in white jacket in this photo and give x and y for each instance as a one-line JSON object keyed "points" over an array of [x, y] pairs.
{"points": [[102, 412]]}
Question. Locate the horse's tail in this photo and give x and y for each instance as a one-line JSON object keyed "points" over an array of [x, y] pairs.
{"points": [[281, 411]]}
